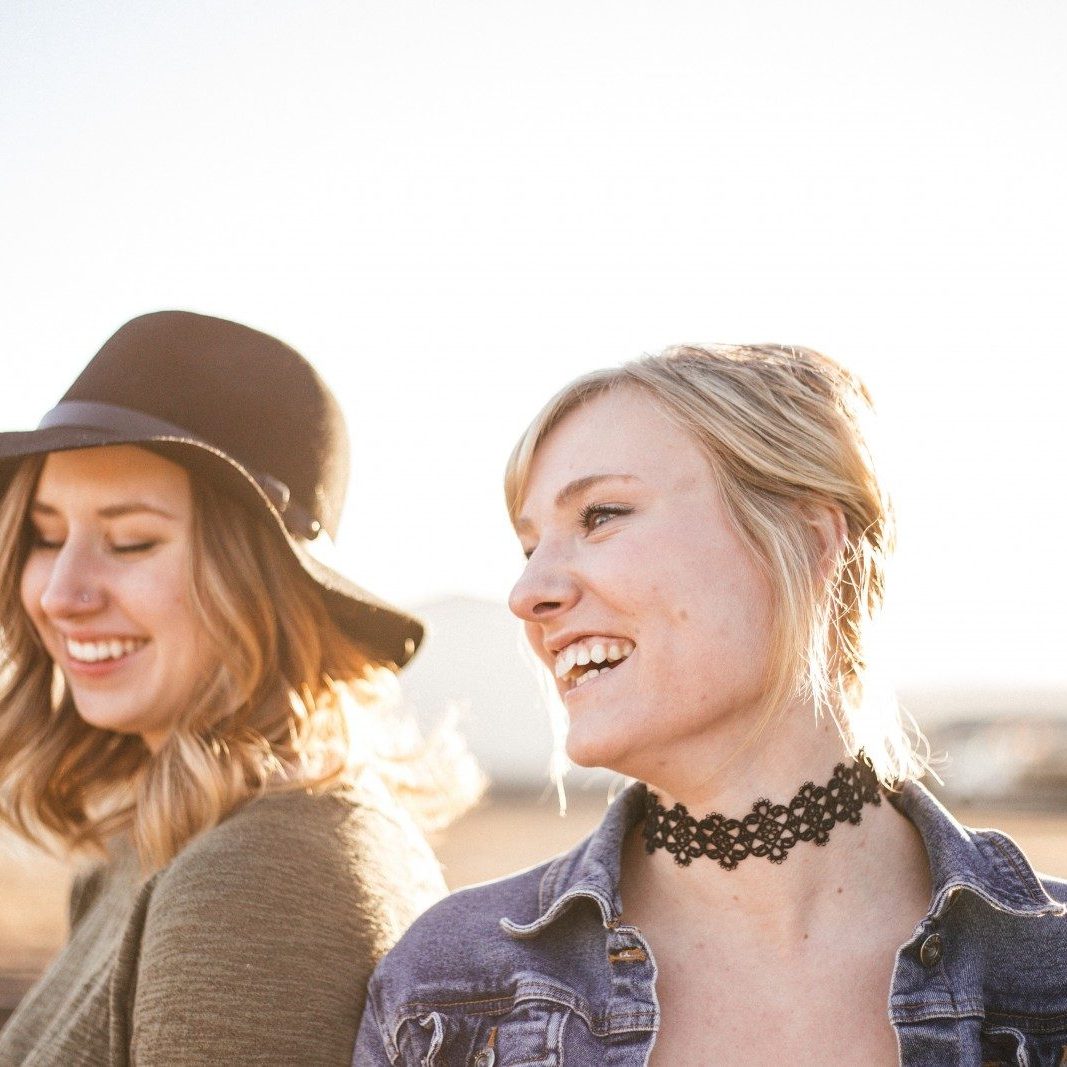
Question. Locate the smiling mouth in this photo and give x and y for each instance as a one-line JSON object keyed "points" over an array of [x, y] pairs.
{"points": [[582, 661], [101, 651]]}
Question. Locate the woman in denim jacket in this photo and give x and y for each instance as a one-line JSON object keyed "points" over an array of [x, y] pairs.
{"points": [[706, 540]]}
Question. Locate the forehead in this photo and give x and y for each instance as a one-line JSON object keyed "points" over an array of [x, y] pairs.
{"points": [[120, 471], [617, 432]]}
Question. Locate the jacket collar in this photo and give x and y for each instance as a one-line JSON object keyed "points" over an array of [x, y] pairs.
{"points": [[984, 862], [591, 870]]}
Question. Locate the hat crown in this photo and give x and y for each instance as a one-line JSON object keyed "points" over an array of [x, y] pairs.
{"points": [[242, 391]]}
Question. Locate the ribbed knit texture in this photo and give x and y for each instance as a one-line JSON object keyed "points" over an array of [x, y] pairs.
{"points": [[253, 946]]}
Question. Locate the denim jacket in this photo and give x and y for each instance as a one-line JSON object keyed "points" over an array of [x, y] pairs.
{"points": [[539, 969]]}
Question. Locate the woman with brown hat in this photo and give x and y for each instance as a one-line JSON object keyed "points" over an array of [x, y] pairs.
{"points": [[193, 693], [706, 539]]}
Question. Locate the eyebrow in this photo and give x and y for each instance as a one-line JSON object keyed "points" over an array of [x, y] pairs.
{"points": [[576, 488], [579, 485], [112, 511]]}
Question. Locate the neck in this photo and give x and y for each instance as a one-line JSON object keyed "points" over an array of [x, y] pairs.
{"points": [[792, 749], [782, 903], [770, 830]]}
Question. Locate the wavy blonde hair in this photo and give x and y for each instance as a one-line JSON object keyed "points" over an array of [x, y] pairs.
{"points": [[293, 704], [784, 431]]}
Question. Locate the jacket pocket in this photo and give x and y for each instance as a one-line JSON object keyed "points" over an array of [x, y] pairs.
{"points": [[526, 1035], [1010, 1046], [434, 1024]]}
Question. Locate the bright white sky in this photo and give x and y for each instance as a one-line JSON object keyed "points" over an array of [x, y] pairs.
{"points": [[454, 207]]}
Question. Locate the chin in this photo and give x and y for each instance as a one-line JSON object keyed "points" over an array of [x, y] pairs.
{"points": [[105, 719], [588, 749], [582, 755]]}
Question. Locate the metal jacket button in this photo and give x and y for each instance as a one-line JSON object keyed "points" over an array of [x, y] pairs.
{"points": [[487, 1056], [931, 951]]}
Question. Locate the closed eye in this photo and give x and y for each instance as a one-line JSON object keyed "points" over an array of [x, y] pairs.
{"points": [[140, 546], [44, 544], [38, 541]]}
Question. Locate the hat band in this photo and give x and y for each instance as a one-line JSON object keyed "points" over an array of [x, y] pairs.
{"points": [[93, 415]]}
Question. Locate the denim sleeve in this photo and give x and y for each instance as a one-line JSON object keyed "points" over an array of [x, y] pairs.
{"points": [[370, 1046]]}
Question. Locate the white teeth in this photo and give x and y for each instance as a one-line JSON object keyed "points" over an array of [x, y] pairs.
{"points": [[583, 678], [565, 660], [581, 653], [95, 651]]}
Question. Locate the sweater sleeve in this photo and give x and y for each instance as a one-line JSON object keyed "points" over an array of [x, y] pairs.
{"points": [[259, 939]]}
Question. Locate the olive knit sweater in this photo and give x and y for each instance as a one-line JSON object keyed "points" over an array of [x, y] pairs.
{"points": [[253, 946]]}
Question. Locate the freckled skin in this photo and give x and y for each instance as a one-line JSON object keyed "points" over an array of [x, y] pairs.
{"points": [[668, 573]]}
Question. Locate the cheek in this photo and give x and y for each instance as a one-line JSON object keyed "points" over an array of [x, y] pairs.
{"points": [[160, 595], [713, 609]]}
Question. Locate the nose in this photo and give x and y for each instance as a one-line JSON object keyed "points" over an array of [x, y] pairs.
{"points": [[72, 586], [546, 589]]}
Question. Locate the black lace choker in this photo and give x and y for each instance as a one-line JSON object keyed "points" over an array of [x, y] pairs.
{"points": [[771, 830]]}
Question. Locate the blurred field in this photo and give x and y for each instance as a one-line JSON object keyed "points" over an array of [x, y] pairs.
{"points": [[504, 834]]}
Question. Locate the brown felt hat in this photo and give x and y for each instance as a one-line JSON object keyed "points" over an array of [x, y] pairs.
{"points": [[248, 412]]}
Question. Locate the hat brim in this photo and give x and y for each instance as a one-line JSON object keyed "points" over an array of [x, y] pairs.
{"points": [[388, 635]]}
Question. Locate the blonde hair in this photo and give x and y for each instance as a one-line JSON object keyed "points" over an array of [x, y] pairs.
{"points": [[783, 429], [293, 704]]}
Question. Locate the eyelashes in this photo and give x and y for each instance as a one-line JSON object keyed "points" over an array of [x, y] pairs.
{"points": [[593, 516], [37, 541], [44, 544]]}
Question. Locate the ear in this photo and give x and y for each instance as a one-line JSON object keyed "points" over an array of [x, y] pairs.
{"points": [[827, 523]]}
